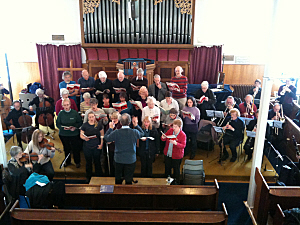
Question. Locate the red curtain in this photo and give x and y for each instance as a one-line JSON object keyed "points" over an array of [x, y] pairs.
{"points": [[206, 62], [51, 57]]}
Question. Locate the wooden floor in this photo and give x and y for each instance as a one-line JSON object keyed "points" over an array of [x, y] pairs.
{"points": [[238, 171]]}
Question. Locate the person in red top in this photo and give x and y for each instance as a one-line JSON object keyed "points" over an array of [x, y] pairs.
{"points": [[64, 93], [248, 108], [174, 150], [181, 81]]}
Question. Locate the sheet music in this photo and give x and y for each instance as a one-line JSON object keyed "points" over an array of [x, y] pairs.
{"points": [[213, 113], [218, 129], [246, 120], [251, 133], [275, 123]]}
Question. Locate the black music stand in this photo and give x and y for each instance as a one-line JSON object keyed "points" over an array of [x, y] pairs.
{"points": [[279, 156], [62, 165], [219, 130]]}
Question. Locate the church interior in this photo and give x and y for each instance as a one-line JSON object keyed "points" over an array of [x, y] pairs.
{"points": [[238, 49]]}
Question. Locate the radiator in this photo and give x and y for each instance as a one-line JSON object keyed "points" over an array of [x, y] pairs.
{"points": [[241, 90]]}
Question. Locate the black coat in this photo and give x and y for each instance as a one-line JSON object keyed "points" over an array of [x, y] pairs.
{"points": [[251, 92], [206, 105], [101, 87], [14, 115], [153, 145], [238, 126], [124, 84], [36, 102]]}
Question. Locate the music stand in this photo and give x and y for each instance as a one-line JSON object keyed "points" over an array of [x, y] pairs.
{"points": [[214, 113], [278, 156], [275, 123], [219, 130], [63, 165]]}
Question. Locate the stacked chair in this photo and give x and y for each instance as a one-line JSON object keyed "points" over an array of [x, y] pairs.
{"points": [[193, 172]]}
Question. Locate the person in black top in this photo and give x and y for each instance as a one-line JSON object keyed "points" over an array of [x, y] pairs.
{"points": [[92, 133], [103, 85], [148, 148], [14, 115], [39, 110], [138, 81], [234, 134], [225, 107], [256, 91], [208, 102], [19, 172], [121, 82], [158, 89], [287, 93]]}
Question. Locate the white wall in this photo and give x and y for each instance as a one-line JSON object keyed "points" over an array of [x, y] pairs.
{"points": [[27, 22], [241, 26]]}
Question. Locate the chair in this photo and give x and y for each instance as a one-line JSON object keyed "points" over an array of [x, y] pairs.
{"points": [[240, 147], [206, 133], [193, 172]]}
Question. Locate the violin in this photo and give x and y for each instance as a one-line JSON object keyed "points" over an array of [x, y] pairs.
{"points": [[29, 157], [49, 145]]}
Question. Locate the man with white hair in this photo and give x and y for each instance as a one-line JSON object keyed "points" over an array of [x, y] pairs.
{"points": [[248, 108], [42, 98], [67, 76], [158, 89], [103, 86], [208, 102], [181, 81], [138, 81], [121, 82], [86, 83]]}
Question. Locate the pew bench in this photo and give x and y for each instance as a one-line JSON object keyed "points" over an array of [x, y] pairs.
{"points": [[155, 197], [60, 216], [267, 197]]}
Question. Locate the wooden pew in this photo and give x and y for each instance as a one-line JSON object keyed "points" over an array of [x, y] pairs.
{"points": [[289, 130], [279, 216], [144, 197], [266, 198], [58, 216]]}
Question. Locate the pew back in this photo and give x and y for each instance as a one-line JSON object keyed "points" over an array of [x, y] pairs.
{"points": [[172, 197], [58, 216]]}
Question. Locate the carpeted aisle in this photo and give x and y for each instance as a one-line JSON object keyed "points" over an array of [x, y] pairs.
{"points": [[233, 195]]}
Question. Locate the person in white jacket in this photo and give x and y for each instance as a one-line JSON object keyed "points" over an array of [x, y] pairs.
{"points": [[152, 111]]}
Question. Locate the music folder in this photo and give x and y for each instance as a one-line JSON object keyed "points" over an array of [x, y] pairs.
{"points": [[218, 129], [256, 101], [213, 113], [275, 123], [251, 133]]}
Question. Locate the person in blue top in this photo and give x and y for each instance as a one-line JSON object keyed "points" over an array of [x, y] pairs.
{"points": [[125, 147], [67, 76], [87, 84]]}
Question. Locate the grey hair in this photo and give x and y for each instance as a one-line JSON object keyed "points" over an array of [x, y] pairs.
{"points": [[125, 119], [65, 74], [250, 96], [120, 71], [204, 83], [15, 150], [94, 101], [229, 97], [181, 70], [39, 91], [86, 95], [64, 91], [140, 70], [102, 74], [151, 99], [156, 76]]}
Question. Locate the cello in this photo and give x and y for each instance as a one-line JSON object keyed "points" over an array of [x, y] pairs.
{"points": [[4, 109], [25, 122], [45, 119]]}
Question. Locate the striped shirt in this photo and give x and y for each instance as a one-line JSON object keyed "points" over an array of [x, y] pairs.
{"points": [[182, 83]]}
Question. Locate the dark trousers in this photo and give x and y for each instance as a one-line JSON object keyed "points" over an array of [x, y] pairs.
{"points": [[71, 143], [191, 143], [19, 138], [127, 170], [175, 164], [146, 163], [233, 142], [92, 154]]}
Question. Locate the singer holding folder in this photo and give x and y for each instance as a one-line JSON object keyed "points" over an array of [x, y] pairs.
{"points": [[234, 134]]}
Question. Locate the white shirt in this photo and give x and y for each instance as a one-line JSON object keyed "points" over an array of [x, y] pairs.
{"points": [[166, 106], [151, 113]]}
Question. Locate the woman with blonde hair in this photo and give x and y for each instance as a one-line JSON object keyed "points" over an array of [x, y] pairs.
{"points": [[148, 147], [143, 93], [92, 133], [45, 164]]}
